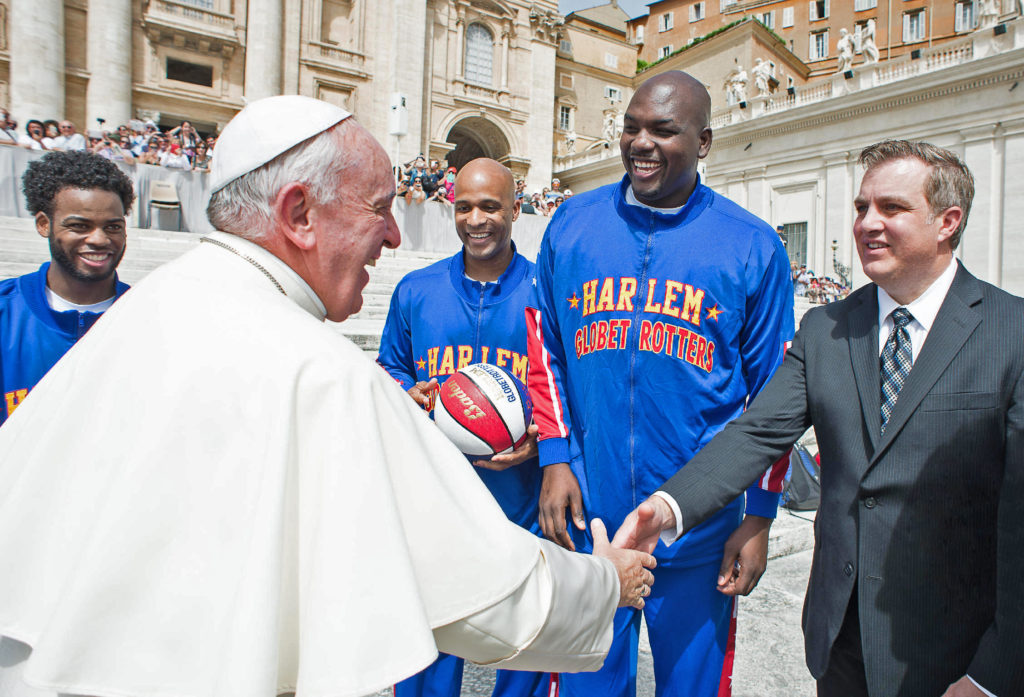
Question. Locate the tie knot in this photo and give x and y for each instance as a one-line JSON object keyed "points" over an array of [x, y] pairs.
{"points": [[901, 317]]}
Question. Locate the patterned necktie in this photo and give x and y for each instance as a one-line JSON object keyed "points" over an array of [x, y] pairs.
{"points": [[897, 360]]}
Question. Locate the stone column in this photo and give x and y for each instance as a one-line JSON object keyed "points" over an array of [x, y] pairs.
{"points": [[263, 48], [109, 60], [37, 60], [505, 31], [460, 42]]}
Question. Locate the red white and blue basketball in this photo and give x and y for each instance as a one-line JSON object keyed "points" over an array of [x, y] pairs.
{"points": [[484, 410]]}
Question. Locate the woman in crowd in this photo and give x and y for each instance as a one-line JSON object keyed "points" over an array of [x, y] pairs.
{"points": [[202, 160], [35, 132]]}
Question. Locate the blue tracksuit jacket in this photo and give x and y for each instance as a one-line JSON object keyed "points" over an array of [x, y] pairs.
{"points": [[440, 321], [649, 332], [32, 336]]}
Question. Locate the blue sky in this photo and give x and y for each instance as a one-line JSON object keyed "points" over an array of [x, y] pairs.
{"points": [[633, 8]]}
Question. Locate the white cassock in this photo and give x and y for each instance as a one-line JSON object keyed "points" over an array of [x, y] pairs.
{"points": [[216, 495]]}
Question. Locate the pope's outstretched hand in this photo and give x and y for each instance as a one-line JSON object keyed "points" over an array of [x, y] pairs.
{"points": [[635, 579], [641, 528]]}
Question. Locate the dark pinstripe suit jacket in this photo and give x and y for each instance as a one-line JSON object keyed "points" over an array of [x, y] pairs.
{"points": [[927, 521]]}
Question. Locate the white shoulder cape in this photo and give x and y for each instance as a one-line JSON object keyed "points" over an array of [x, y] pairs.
{"points": [[215, 495]]}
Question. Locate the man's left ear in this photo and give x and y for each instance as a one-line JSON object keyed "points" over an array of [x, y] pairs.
{"points": [[293, 209], [517, 207], [950, 221], [705, 143]]}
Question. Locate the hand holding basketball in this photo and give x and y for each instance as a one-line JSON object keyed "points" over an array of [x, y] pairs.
{"points": [[484, 410], [517, 457]]}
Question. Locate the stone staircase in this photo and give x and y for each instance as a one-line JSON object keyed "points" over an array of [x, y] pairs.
{"points": [[22, 250]]}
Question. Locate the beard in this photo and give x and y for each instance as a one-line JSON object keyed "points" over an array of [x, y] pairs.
{"points": [[64, 261]]}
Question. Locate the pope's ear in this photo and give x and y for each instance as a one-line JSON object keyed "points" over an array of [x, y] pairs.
{"points": [[291, 208]]}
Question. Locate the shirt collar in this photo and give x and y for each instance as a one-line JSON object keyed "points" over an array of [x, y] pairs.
{"points": [[926, 306], [292, 283], [632, 200]]}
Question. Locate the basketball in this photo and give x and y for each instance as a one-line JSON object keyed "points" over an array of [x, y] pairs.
{"points": [[484, 410]]}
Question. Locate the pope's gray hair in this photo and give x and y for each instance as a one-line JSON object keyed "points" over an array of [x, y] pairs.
{"points": [[244, 206]]}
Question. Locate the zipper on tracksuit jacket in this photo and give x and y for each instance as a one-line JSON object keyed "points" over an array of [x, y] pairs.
{"points": [[634, 347]]}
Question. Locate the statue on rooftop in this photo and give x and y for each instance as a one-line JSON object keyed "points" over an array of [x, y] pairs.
{"points": [[844, 48]]}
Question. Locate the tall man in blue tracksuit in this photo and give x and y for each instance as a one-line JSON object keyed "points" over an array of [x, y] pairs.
{"points": [[462, 310], [80, 201], [661, 309]]}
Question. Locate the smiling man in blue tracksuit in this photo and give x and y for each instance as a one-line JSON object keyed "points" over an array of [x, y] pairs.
{"points": [[661, 309], [462, 310], [80, 201]]}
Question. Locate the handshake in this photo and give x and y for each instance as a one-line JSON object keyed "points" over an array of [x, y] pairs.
{"points": [[630, 550]]}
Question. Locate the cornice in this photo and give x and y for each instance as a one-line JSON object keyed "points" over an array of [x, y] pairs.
{"points": [[874, 100]]}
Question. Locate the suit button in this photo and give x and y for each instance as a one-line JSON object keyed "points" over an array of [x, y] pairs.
{"points": [[848, 569], [869, 502]]}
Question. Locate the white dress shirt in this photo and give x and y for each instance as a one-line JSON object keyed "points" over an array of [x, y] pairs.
{"points": [[924, 309]]}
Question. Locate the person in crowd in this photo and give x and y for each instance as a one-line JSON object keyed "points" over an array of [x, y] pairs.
{"points": [[520, 190], [52, 132], [111, 150], [8, 132], [685, 299], [449, 184], [474, 299], [152, 151], [415, 193], [187, 137], [258, 504], [566, 194], [416, 168], [174, 157], [432, 179], [915, 581], [202, 161], [80, 202], [69, 139], [34, 135]]}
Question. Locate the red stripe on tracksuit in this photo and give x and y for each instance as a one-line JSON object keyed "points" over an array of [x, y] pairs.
{"points": [[725, 682], [775, 477], [553, 685], [547, 404]]}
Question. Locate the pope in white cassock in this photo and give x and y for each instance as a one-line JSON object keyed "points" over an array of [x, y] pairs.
{"points": [[216, 495]]}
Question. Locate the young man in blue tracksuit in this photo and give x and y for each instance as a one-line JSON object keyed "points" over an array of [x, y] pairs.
{"points": [[661, 309], [462, 310], [80, 201]]}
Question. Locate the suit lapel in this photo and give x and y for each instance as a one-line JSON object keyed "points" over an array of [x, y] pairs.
{"points": [[862, 322], [954, 324]]}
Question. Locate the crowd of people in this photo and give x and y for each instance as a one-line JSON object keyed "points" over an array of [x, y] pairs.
{"points": [[817, 290], [142, 142]]}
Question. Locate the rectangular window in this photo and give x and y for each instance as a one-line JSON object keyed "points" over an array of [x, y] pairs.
{"points": [[639, 33], [565, 46], [964, 16], [665, 22], [913, 26], [611, 60], [193, 73], [818, 9], [697, 11], [612, 93], [565, 80], [794, 236], [860, 5], [767, 18], [818, 46], [665, 51], [787, 17], [565, 117]]}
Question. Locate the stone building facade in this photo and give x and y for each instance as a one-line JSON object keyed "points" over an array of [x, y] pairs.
{"points": [[452, 79]]}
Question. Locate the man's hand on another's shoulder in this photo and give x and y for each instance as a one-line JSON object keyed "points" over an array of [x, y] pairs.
{"points": [[423, 393], [635, 579], [517, 457], [558, 490], [641, 528]]}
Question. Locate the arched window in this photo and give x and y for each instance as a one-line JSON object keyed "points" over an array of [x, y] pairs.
{"points": [[479, 55]]}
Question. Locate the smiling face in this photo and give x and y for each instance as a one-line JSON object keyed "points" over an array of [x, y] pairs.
{"points": [[665, 132], [485, 207], [87, 236], [902, 244], [352, 229]]}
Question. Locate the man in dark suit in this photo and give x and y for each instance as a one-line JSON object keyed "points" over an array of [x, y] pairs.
{"points": [[917, 584]]}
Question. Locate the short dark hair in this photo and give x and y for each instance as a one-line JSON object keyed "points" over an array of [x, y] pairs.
{"points": [[950, 183], [72, 169]]}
